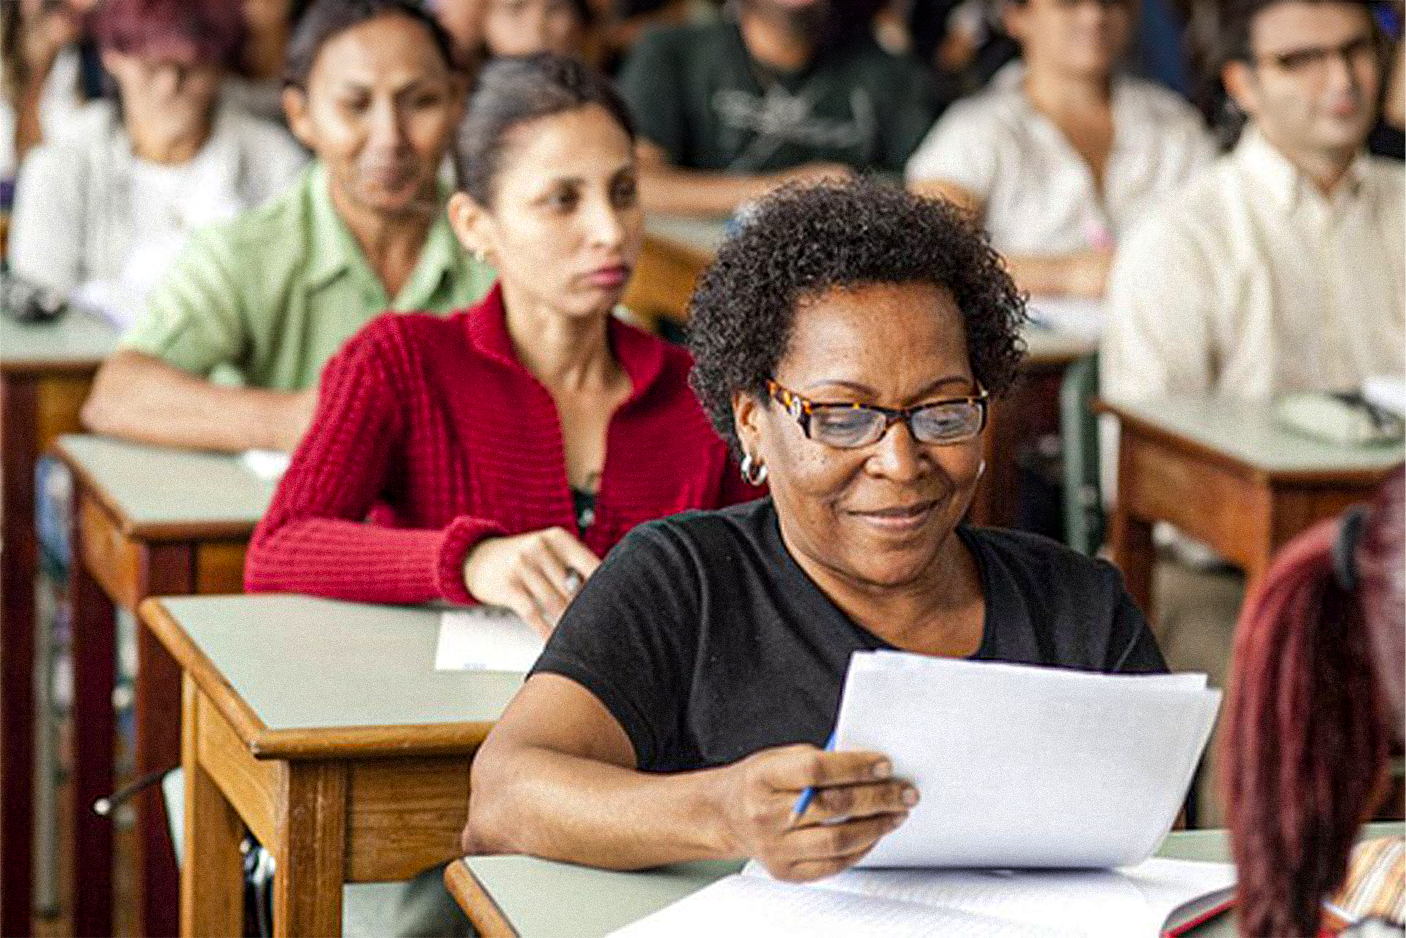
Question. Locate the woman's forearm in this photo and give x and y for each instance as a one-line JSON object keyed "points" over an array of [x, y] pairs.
{"points": [[581, 810]]}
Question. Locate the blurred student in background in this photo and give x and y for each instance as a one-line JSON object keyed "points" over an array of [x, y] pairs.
{"points": [[267, 298], [1063, 159], [775, 91], [102, 212]]}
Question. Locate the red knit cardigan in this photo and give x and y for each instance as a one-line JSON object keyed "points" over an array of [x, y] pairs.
{"points": [[434, 423]]}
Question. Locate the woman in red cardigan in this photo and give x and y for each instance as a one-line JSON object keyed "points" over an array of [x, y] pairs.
{"points": [[501, 451]]}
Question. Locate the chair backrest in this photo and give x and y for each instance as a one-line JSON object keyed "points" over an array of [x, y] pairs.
{"points": [[1083, 505]]}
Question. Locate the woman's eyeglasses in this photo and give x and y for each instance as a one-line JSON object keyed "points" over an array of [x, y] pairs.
{"points": [[849, 426]]}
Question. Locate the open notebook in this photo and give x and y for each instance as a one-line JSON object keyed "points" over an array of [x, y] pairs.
{"points": [[1128, 903]]}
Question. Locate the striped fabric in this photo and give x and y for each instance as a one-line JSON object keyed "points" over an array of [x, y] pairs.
{"points": [[1376, 881]]}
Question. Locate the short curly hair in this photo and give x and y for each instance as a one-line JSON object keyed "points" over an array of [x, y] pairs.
{"points": [[803, 240]]}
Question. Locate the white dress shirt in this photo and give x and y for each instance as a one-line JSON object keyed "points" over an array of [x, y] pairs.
{"points": [[1038, 193], [1252, 284]]}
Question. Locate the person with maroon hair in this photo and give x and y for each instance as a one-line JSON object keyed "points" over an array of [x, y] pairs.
{"points": [[1315, 704], [102, 210]]}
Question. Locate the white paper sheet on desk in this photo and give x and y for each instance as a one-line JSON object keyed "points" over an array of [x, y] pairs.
{"points": [[1124, 903], [485, 639], [1020, 766], [1074, 316], [267, 464]]}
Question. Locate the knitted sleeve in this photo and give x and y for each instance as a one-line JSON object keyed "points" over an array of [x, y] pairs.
{"points": [[315, 537]]}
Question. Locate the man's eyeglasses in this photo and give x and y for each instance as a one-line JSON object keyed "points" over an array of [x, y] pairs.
{"points": [[1312, 62], [849, 426]]}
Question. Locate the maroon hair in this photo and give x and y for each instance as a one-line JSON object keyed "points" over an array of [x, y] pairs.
{"points": [[1312, 712], [214, 29]]}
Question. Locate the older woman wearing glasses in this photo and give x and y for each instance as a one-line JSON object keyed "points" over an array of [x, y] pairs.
{"points": [[845, 344]]}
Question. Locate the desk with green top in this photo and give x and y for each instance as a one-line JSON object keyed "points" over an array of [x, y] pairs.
{"points": [[531, 898], [1225, 473], [147, 521], [45, 371], [677, 249], [323, 728]]}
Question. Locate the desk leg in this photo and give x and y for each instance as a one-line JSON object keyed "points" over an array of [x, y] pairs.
{"points": [[311, 850], [19, 426], [167, 572], [1133, 553], [212, 881], [94, 662]]}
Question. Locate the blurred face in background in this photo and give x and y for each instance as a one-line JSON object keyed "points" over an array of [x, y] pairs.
{"points": [[380, 111], [168, 93], [1314, 77], [522, 27], [1081, 38]]}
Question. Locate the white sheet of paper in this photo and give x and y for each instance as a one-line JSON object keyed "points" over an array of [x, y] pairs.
{"points": [[1387, 392], [267, 464], [1124, 903], [485, 639], [1074, 316], [1020, 766]]}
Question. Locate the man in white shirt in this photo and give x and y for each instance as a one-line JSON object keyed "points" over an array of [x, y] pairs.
{"points": [[1281, 268]]}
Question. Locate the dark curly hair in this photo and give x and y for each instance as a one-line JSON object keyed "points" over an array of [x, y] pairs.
{"points": [[803, 240]]}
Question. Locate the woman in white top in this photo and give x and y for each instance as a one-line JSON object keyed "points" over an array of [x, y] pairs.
{"points": [[101, 212], [1060, 162], [40, 67]]}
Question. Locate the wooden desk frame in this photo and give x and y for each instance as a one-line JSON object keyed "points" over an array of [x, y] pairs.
{"points": [[483, 912], [1244, 512], [118, 563], [39, 401], [355, 804]]}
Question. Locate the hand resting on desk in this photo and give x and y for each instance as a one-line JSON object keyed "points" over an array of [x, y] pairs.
{"points": [[531, 574]]}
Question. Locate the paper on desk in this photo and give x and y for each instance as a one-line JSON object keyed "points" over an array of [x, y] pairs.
{"points": [[485, 639], [960, 903], [1083, 318], [267, 464], [1020, 766], [1387, 392]]}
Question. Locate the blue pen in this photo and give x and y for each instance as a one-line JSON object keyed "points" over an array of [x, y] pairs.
{"points": [[808, 795]]}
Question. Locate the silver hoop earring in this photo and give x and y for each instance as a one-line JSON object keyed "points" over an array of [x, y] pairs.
{"points": [[981, 469], [753, 471]]}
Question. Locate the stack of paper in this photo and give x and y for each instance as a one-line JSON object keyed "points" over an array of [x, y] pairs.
{"points": [[1020, 766], [1131, 903], [485, 638]]}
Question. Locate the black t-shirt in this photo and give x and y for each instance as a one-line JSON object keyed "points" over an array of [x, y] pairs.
{"points": [[707, 642]]}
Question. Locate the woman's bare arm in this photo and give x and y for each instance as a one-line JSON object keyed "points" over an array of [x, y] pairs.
{"points": [[557, 778]]}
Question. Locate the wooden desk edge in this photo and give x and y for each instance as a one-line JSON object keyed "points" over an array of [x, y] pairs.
{"points": [[1364, 476], [483, 912], [28, 367], [240, 529], [368, 742]]}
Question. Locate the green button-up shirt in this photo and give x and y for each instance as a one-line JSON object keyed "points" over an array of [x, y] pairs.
{"points": [[271, 295]]}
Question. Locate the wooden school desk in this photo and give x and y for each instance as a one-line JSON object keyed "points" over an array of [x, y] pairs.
{"points": [[676, 249], [323, 728], [45, 371], [1226, 474], [531, 898], [147, 521]]}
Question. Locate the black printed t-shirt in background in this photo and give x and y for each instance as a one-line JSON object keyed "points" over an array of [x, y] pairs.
{"points": [[706, 642], [696, 93]]}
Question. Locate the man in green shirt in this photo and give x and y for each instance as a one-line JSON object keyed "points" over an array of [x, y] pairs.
{"points": [[267, 298], [780, 90]]}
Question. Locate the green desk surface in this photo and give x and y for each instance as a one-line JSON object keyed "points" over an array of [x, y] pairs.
{"points": [[306, 663], [152, 487], [73, 340], [543, 898], [1247, 432]]}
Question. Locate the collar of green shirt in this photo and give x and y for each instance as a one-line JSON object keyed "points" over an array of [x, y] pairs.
{"points": [[335, 253]]}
